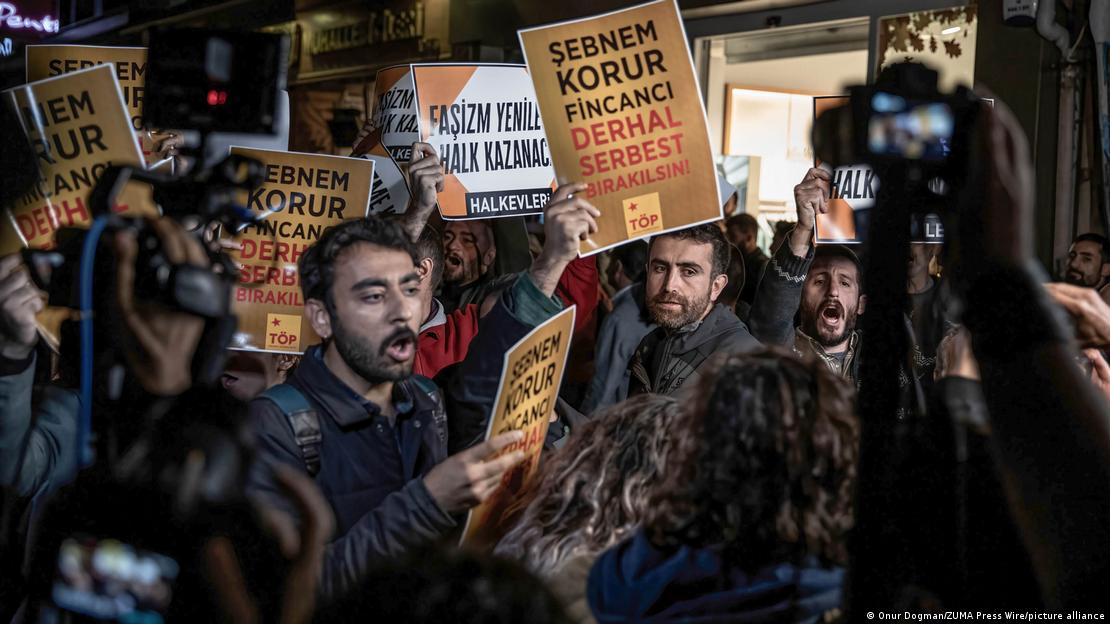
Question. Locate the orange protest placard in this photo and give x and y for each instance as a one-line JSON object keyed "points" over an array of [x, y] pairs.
{"points": [[46, 61], [530, 381], [853, 192], [78, 126], [394, 112], [623, 113], [483, 122], [301, 196]]}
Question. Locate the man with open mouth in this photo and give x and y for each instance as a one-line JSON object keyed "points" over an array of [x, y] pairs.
{"points": [[375, 437], [822, 285]]}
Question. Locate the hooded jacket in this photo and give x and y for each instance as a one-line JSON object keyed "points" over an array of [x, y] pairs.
{"points": [[638, 582], [666, 359]]}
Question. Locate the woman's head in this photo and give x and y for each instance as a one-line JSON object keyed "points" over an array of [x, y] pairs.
{"points": [[593, 492], [764, 462]]}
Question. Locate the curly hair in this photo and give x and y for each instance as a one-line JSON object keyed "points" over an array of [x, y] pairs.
{"points": [[592, 492], [764, 464]]}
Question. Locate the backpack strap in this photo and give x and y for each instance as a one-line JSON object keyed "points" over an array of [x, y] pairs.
{"points": [[303, 420], [419, 383]]}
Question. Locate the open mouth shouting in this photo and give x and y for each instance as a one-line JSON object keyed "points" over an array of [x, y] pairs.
{"points": [[401, 346], [831, 316]]}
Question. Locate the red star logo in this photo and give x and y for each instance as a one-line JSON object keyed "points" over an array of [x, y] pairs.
{"points": [[276, 322], [632, 207]]}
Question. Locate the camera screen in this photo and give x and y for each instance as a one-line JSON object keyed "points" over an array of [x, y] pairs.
{"points": [[910, 130], [109, 580]]}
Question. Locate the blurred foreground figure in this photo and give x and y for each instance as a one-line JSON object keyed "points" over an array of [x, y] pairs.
{"points": [[592, 493], [750, 521]]}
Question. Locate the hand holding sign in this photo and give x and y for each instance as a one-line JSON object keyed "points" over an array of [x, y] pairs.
{"points": [[812, 197], [466, 479], [568, 220], [426, 180], [20, 301]]}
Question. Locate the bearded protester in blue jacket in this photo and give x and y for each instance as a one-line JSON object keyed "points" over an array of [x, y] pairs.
{"points": [[750, 523]]}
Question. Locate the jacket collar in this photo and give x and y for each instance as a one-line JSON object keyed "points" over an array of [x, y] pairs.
{"points": [[437, 319], [345, 406], [840, 367]]}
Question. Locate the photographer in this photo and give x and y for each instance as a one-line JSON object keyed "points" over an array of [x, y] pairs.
{"points": [[34, 434], [381, 436]]}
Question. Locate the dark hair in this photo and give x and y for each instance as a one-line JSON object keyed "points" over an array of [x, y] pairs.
{"points": [[438, 583], [633, 257], [591, 493], [430, 245], [743, 222], [736, 276], [704, 234], [1103, 243], [317, 264], [765, 463]]}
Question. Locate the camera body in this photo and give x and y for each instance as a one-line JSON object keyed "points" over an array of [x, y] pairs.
{"points": [[903, 121]]}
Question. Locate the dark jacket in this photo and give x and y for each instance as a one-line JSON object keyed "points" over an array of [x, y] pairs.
{"points": [[638, 582], [665, 360], [377, 514], [38, 438], [754, 263], [620, 334], [776, 305]]}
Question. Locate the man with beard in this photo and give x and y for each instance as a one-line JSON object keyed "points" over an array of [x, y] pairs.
{"points": [[686, 273], [469, 253], [1089, 263], [822, 285], [375, 437]]}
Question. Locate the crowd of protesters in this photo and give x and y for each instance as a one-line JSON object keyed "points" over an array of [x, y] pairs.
{"points": [[703, 463]]}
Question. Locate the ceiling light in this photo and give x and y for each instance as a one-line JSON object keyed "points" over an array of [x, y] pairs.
{"points": [[951, 30]]}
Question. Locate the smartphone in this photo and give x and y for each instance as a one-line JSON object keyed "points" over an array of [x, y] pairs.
{"points": [[108, 580]]}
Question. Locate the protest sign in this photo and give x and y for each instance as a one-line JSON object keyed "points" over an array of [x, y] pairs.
{"points": [[853, 192], [483, 122], [390, 193], [530, 380], [78, 126], [46, 61], [394, 112], [301, 196], [623, 113]]}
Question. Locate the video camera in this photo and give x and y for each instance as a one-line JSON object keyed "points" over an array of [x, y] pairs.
{"points": [[901, 121]]}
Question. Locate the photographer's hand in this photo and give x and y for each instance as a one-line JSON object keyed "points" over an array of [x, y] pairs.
{"points": [[426, 179], [160, 342], [1089, 312], [812, 197], [20, 301]]}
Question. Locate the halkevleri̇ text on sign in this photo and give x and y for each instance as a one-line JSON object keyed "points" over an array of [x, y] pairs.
{"points": [[301, 196], [483, 122], [530, 381], [623, 114]]}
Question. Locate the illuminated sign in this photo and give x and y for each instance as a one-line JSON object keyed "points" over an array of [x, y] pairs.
{"points": [[5, 47], [11, 19]]}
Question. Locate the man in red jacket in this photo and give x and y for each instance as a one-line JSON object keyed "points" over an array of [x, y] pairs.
{"points": [[444, 338]]}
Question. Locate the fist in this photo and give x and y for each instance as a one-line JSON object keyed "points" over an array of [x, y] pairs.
{"points": [[812, 197], [20, 301], [426, 177], [568, 220]]}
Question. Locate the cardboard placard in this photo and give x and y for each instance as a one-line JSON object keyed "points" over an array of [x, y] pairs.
{"points": [[78, 125], [394, 112], [390, 194], [853, 192], [530, 381], [483, 121], [302, 195], [46, 61], [623, 113]]}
